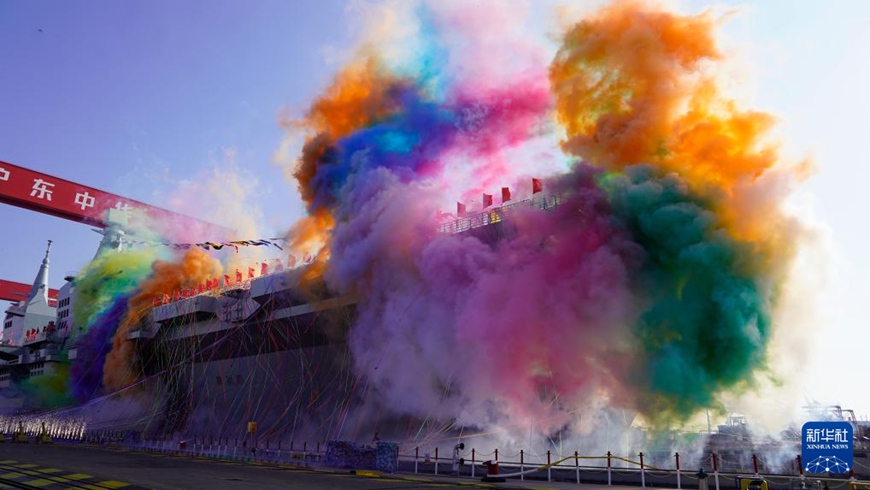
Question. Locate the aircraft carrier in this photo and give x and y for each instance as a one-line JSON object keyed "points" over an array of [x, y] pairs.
{"points": [[272, 349]]}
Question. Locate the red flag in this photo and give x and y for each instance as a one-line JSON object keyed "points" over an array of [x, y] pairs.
{"points": [[487, 200], [238, 275], [505, 194], [176, 295], [201, 289], [155, 301], [250, 272], [165, 298], [264, 269], [227, 280], [291, 261], [460, 209], [537, 186]]}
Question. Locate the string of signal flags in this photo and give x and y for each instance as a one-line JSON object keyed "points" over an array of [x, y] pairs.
{"points": [[217, 245], [461, 210]]}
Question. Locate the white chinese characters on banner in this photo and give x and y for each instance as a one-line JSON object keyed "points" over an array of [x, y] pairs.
{"points": [[41, 190], [122, 206], [4, 174], [84, 200]]}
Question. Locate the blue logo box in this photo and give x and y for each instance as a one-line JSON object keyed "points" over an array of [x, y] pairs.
{"points": [[827, 447]]}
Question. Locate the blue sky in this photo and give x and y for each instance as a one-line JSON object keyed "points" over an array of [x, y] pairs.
{"points": [[134, 97]]}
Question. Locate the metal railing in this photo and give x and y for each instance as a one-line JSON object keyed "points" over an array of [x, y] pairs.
{"points": [[606, 469], [494, 215]]}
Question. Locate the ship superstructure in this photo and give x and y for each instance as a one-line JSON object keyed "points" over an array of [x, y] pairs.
{"points": [[33, 338]]}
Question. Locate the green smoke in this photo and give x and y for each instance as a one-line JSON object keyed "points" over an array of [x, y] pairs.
{"points": [[49, 390], [110, 275], [707, 324]]}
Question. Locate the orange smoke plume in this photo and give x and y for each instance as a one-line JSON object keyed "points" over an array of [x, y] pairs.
{"points": [[309, 237], [196, 266], [360, 94], [631, 88]]}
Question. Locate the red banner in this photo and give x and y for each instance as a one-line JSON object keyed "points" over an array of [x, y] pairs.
{"points": [[51, 195], [17, 291]]}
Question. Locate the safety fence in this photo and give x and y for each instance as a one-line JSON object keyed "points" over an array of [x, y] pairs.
{"points": [[616, 470], [608, 468]]}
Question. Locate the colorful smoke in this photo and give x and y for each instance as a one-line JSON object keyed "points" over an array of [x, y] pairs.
{"points": [[708, 324], [651, 286], [120, 369], [635, 84], [88, 367], [110, 275]]}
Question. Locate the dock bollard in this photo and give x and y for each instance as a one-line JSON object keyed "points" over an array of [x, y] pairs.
{"points": [[492, 473]]}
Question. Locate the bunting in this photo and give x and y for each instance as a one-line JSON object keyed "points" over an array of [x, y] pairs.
{"points": [[216, 245]]}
